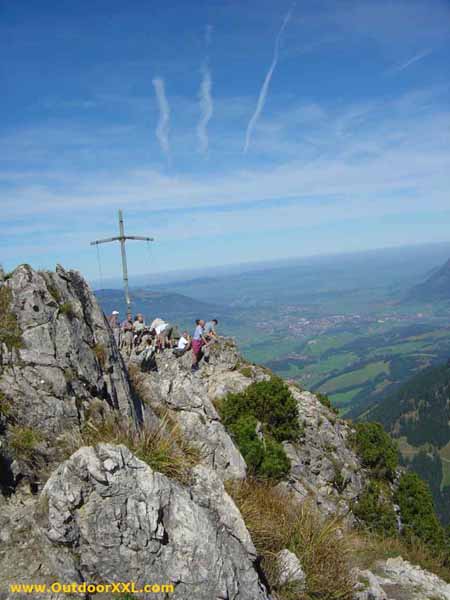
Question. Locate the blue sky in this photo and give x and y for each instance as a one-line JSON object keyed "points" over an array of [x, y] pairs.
{"points": [[147, 106]]}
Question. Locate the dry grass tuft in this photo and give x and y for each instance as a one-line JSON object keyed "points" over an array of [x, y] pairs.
{"points": [[368, 548], [276, 521], [162, 447], [100, 354]]}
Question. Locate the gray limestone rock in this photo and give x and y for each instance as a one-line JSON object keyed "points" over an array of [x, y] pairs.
{"points": [[67, 359], [105, 516]]}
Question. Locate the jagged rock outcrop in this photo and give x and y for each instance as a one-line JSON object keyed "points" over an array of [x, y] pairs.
{"points": [[398, 579], [61, 358], [324, 465], [188, 397], [106, 516]]}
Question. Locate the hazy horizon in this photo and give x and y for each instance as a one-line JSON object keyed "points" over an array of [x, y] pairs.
{"points": [[178, 275]]}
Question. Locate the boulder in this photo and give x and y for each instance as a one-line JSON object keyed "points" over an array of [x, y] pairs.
{"points": [[290, 569], [106, 517]]}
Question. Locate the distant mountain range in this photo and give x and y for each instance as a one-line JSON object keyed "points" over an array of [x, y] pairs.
{"points": [[435, 288], [172, 306], [418, 414]]}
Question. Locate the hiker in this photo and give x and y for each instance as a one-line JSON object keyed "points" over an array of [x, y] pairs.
{"points": [[113, 320], [198, 341], [210, 329], [156, 322], [184, 344], [127, 334], [138, 328], [139, 323], [160, 331], [148, 356], [210, 336]]}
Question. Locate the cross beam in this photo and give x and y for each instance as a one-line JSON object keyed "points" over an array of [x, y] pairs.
{"points": [[122, 238]]}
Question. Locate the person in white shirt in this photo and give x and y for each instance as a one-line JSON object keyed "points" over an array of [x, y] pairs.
{"points": [[184, 341]]}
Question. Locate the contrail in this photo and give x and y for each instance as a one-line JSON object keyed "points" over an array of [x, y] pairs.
{"points": [[162, 129], [265, 86], [206, 107], [205, 97], [411, 61]]}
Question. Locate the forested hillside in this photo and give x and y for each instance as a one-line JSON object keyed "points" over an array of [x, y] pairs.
{"points": [[418, 415]]}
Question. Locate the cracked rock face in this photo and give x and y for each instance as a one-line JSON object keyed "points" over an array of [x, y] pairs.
{"points": [[106, 516], [323, 464], [68, 357]]}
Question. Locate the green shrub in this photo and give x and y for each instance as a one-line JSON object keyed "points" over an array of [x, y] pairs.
{"points": [[375, 509], [10, 333], [246, 437], [376, 449], [417, 511], [271, 403], [275, 464], [265, 458]]}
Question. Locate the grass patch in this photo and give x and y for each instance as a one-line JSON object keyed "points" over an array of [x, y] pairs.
{"points": [[100, 354], [10, 333], [276, 522], [54, 292], [67, 309], [246, 372], [5, 405], [162, 447], [369, 548], [25, 441]]}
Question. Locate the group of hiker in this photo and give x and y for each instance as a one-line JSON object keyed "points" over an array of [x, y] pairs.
{"points": [[160, 335]]}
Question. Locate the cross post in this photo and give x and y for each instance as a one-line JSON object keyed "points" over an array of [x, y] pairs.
{"points": [[122, 238]]}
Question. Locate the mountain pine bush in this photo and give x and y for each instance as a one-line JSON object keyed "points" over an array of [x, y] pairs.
{"points": [[376, 449], [271, 404], [419, 519]]}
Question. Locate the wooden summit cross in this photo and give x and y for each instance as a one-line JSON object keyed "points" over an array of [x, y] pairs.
{"points": [[122, 238]]}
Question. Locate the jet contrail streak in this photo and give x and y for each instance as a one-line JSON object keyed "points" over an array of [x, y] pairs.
{"points": [[265, 86], [206, 107], [162, 129]]}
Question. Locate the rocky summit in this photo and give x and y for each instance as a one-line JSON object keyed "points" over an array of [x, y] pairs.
{"points": [[114, 473]]}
